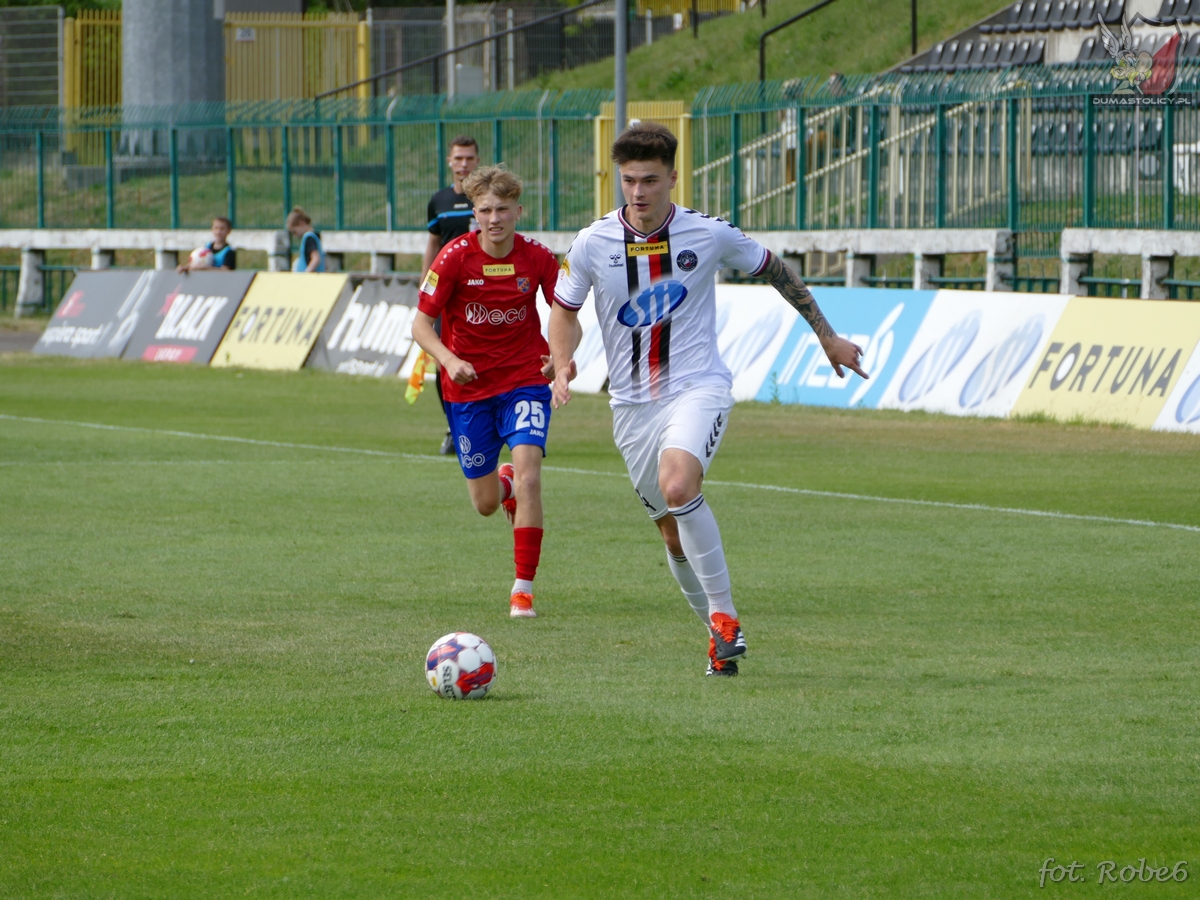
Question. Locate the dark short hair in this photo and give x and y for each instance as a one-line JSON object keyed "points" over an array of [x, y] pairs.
{"points": [[228, 224], [645, 141], [465, 140]]}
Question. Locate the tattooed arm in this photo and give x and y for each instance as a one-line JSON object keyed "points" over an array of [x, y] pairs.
{"points": [[840, 351]]}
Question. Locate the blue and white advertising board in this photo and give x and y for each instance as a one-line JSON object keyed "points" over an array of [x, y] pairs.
{"points": [[1182, 409], [882, 322], [973, 353]]}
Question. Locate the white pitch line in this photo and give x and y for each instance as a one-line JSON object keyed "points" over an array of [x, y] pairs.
{"points": [[833, 495]]}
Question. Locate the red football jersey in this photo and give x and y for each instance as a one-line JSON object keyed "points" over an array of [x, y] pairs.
{"points": [[489, 313]]}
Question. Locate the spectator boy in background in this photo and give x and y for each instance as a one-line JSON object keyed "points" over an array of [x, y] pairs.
{"points": [[216, 254], [450, 216], [312, 254]]}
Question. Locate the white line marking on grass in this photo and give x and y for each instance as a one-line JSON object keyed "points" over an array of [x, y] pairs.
{"points": [[833, 495]]}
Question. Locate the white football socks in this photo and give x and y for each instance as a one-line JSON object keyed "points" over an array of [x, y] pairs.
{"points": [[689, 584], [521, 586], [701, 540]]}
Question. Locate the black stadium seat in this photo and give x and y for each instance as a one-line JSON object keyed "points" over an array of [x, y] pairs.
{"points": [[1041, 18], [1020, 54], [948, 55], [1192, 50], [977, 54], [1027, 14], [1058, 15], [1035, 52], [1014, 17], [1116, 9], [964, 53], [1006, 54], [1087, 14]]}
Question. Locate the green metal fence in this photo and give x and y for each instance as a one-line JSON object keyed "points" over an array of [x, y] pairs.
{"points": [[351, 164]]}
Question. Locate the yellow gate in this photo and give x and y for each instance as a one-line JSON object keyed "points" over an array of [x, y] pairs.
{"points": [[675, 114], [285, 56]]}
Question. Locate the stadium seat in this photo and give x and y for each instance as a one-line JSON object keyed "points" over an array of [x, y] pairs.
{"points": [[993, 53], [1058, 15], [964, 53], [1041, 18], [977, 54], [1166, 12], [1071, 15], [1006, 54], [1035, 52], [1012, 23], [1027, 14], [948, 54], [1192, 49], [1022, 51], [1087, 14], [1116, 8]]}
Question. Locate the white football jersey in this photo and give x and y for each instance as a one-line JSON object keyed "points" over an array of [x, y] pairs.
{"points": [[656, 298]]}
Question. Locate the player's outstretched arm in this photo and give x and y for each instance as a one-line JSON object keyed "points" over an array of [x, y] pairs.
{"points": [[459, 370], [840, 351], [565, 334]]}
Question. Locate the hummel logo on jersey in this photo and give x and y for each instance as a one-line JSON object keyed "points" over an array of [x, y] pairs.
{"points": [[614, 261], [715, 435]]}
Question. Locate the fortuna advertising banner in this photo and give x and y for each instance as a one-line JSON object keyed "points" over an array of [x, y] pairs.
{"points": [[1113, 361], [882, 322], [369, 331], [97, 315], [1182, 409], [974, 352], [279, 319], [185, 315]]}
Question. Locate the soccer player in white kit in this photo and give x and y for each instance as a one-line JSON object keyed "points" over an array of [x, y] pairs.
{"points": [[651, 267]]}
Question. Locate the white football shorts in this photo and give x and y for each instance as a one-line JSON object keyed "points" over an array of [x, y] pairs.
{"points": [[693, 420]]}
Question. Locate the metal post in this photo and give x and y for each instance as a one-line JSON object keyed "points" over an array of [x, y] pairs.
{"points": [[451, 43], [735, 167], [40, 145], [873, 167], [695, 21], [339, 180], [1168, 166], [554, 175], [110, 217], [510, 48], [440, 130], [285, 146], [914, 27], [620, 48], [1089, 163], [173, 149], [801, 168], [390, 156], [497, 140], [230, 176], [939, 147], [1014, 187]]}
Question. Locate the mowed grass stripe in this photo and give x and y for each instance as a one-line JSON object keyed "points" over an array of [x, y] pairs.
{"points": [[835, 495]]}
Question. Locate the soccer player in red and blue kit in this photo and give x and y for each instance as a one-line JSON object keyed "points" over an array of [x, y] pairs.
{"points": [[494, 362]]}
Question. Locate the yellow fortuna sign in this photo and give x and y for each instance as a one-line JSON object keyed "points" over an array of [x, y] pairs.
{"points": [[1112, 360], [279, 320], [646, 249], [499, 270]]}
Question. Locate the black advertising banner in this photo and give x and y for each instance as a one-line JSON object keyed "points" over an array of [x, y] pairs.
{"points": [[369, 332], [97, 315], [185, 316]]}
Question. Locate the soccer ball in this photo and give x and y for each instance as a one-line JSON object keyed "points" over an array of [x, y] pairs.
{"points": [[201, 258], [460, 666]]}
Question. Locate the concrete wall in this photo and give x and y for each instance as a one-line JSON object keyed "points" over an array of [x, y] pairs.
{"points": [[173, 51]]}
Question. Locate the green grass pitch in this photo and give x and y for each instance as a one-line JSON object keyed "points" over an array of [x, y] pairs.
{"points": [[211, 655]]}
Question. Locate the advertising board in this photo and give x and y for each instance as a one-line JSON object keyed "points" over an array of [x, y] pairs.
{"points": [[974, 352], [185, 315], [1181, 412], [369, 331], [279, 320], [97, 315], [882, 322], [1112, 360]]}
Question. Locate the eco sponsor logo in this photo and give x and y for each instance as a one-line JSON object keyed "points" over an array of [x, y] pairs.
{"points": [[652, 304], [1113, 360], [882, 322], [479, 314]]}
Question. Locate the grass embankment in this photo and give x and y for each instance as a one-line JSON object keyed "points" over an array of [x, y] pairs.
{"points": [[211, 655], [851, 36]]}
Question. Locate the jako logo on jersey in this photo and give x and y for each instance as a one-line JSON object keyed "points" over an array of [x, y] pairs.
{"points": [[686, 260], [939, 360], [1002, 364], [1188, 410], [652, 304], [475, 282], [478, 314]]}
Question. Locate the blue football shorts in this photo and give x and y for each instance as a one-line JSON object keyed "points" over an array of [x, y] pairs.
{"points": [[481, 427]]}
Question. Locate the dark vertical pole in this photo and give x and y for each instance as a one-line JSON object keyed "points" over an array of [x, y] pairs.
{"points": [[440, 129], [497, 140], [872, 166], [173, 149], [801, 169], [695, 20], [914, 27], [1014, 187], [40, 144], [1089, 163], [339, 180], [231, 176], [939, 148], [390, 155], [554, 180], [110, 217], [287, 173], [735, 167], [762, 5], [1168, 166]]}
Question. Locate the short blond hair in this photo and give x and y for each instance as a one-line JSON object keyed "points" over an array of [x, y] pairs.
{"points": [[492, 180]]}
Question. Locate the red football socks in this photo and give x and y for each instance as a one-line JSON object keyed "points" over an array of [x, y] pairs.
{"points": [[527, 551]]}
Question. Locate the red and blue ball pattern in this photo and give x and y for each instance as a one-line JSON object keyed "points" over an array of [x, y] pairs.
{"points": [[460, 666]]}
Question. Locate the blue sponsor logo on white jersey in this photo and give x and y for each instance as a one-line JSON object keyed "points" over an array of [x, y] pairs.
{"points": [[652, 304]]}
